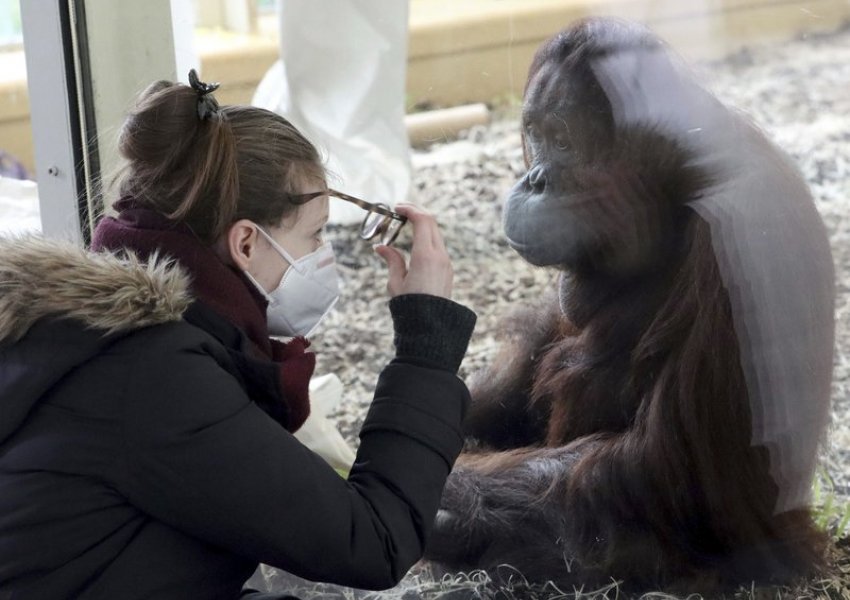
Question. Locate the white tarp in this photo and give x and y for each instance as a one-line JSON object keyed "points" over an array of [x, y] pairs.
{"points": [[19, 211]]}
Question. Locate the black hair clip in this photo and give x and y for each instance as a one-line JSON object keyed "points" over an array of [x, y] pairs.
{"points": [[207, 105]]}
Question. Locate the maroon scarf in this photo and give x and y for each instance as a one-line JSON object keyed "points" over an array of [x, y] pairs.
{"points": [[222, 288]]}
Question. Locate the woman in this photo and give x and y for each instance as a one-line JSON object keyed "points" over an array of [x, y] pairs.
{"points": [[145, 430]]}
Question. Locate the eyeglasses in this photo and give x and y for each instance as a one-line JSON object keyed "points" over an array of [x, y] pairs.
{"points": [[379, 219]]}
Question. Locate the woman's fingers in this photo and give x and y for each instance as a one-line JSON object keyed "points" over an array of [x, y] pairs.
{"points": [[423, 223], [430, 270], [396, 267]]}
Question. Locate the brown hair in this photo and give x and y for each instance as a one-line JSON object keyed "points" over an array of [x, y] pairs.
{"points": [[242, 162]]}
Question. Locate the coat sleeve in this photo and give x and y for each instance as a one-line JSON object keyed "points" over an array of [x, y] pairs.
{"points": [[200, 456]]}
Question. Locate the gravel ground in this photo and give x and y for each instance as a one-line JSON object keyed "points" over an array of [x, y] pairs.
{"points": [[799, 92]]}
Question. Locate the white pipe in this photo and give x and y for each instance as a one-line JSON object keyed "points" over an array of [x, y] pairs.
{"points": [[446, 123]]}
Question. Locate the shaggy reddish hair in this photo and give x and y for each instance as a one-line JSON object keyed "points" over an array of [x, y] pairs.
{"points": [[613, 436]]}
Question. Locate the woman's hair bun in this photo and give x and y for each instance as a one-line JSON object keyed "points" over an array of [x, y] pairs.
{"points": [[161, 125], [206, 165]]}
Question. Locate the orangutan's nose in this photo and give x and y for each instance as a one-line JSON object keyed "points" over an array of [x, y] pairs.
{"points": [[537, 178]]}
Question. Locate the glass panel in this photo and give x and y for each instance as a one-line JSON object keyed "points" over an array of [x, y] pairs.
{"points": [[19, 210], [10, 23]]}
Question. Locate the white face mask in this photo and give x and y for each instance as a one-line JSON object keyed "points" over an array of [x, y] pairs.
{"points": [[306, 293]]}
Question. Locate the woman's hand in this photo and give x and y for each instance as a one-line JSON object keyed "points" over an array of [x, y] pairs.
{"points": [[430, 270]]}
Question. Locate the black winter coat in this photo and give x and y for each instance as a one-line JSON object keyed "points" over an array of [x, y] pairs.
{"points": [[135, 464]]}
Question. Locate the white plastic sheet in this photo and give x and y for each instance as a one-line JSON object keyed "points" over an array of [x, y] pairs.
{"points": [[341, 81], [318, 432], [19, 210]]}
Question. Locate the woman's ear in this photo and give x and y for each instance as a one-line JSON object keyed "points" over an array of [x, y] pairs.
{"points": [[241, 243]]}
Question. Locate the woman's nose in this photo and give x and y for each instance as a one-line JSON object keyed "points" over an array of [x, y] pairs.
{"points": [[537, 178]]}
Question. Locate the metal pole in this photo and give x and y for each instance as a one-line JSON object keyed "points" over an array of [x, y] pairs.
{"points": [[86, 61], [58, 131]]}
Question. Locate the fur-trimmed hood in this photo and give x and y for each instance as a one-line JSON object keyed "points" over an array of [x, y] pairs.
{"points": [[60, 306], [42, 278]]}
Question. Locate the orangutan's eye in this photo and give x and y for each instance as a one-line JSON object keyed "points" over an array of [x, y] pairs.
{"points": [[561, 142]]}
